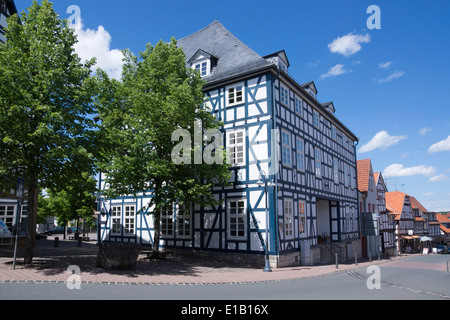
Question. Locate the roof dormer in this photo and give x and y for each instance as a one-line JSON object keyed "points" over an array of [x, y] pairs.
{"points": [[203, 62], [279, 59], [329, 106], [310, 87]]}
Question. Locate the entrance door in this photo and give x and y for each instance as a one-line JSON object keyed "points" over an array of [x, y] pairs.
{"points": [[335, 225]]}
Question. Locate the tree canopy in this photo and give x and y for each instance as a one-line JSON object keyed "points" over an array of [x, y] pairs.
{"points": [[158, 94], [46, 135]]}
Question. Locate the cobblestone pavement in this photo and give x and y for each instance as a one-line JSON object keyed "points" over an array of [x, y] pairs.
{"points": [[50, 264]]}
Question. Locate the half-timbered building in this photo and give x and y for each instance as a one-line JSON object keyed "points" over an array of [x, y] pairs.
{"points": [[399, 204], [289, 153], [386, 220], [7, 8]]}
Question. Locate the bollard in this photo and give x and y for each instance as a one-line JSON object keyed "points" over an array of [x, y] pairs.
{"points": [[356, 258], [80, 239], [448, 266], [56, 243], [337, 266], [370, 257]]}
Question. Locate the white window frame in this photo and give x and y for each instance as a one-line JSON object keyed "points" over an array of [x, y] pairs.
{"points": [[203, 66], [300, 152], [336, 170], [318, 162], [184, 221], [316, 119], [298, 105], [288, 209], [129, 219], [284, 95], [116, 219], [237, 218], [301, 217], [167, 221], [8, 215], [236, 146], [286, 150], [235, 94]]}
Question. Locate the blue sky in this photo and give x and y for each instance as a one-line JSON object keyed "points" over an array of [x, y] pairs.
{"points": [[390, 86]]}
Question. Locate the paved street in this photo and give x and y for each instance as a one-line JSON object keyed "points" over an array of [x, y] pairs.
{"points": [[412, 277]]}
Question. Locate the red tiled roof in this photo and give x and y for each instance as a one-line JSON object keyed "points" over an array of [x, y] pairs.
{"points": [[417, 205], [363, 168], [394, 202], [443, 218]]}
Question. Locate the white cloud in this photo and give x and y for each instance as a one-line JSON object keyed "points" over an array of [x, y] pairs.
{"points": [[313, 64], [398, 170], [335, 71], [424, 131], [97, 43], [443, 145], [349, 44], [385, 65], [395, 75], [441, 177], [381, 140]]}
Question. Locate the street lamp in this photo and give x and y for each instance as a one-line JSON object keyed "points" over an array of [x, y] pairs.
{"points": [[263, 181]]}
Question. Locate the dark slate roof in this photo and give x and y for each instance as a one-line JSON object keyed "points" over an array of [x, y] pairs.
{"points": [[233, 56], [11, 6]]}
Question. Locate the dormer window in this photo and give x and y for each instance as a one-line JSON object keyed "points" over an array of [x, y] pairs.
{"points": [[202, 67], [203, 62]]}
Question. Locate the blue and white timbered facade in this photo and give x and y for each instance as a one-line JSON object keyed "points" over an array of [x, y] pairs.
{"points": [[273, 125]]}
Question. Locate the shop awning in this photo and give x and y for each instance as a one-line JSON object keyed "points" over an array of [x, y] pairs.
{"points": [[410, 237], [424, 238]]}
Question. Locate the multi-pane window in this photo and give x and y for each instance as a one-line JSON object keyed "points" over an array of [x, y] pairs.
{"points": [[298, 105], [300, 154], [184, 221], [167, 221], [235, 94], [129, 219], [335, 170], [236, 147], [237, 218], [333, 133], [317, 162], [116, 217], [347, 174], [284, 95], [202, 68], [316, 119], [8, 216], [286, 148], [301, 217], [288, 218]]}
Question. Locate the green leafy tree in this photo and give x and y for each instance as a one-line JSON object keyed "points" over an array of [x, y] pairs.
{"points": [[45, 134], [157, 95], [76, 201]]}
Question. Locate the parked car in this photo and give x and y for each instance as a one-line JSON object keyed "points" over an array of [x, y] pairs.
{"points": [[41, 236], [57, 230], [441, 249]]}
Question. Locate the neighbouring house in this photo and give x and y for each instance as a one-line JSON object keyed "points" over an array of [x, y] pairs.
{"points": [[273, 124], [368, 208], [10, 203], [444, 226], [7, 8], [399, 204], [387, 220]]}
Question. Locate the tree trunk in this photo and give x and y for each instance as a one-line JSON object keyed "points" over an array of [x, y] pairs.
{"points": [[33, 195], [157, 216]]}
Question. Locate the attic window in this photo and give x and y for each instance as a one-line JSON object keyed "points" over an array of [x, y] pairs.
{"points": [[203, 67]]}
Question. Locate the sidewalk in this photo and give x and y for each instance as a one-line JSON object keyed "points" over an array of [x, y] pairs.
{"points": [[50, 265]]}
